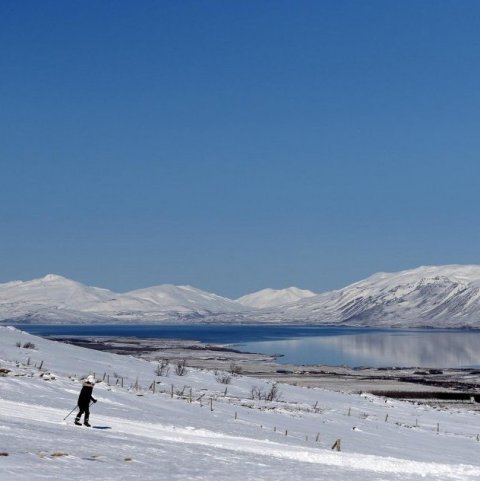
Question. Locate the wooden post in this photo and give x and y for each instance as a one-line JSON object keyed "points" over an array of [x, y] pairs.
{"points": [[318, 436], [286, 432], [315, 407], [274, 429], [122, 381], [349, 410], [225, 393], [171, 392], [211, 404], [190, 395], [154, 386], [336, 445], [41, 364], [386, 418], [104, 375], [108, 379], [236, 418], [438, 428]]}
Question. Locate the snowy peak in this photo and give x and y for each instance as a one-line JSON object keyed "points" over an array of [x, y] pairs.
{"points": [[53, 278], [185, 298], [465, 274], [55, 299], [52, 290], [444, 296], [433, 296], [274, 297]]}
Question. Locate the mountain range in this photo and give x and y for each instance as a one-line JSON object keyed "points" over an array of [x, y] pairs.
{"points": [[429, 296]]}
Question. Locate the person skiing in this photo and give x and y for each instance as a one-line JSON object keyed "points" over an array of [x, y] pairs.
{"points": [[84, 401]]}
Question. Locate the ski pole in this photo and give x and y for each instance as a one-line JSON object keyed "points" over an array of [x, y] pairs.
{"points": [[74, 410], [70, 413]]}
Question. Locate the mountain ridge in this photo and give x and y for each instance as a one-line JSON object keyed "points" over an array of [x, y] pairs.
{"points": [[427, 296], [274, 297]]}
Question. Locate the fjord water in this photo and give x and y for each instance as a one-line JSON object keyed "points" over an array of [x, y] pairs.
{"points": [[351, 347]]}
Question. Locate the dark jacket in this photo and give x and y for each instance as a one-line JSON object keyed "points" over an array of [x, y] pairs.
{"points": [[86, 395]]}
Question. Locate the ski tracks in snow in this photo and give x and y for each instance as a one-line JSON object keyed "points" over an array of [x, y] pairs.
{"points": [[161, 433]]}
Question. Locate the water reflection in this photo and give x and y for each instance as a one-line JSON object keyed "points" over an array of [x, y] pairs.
{"points": [[438, 349]]}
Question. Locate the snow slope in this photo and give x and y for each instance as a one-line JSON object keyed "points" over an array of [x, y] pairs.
{"points": [[154, 435], [274, 297], [444, 296]]}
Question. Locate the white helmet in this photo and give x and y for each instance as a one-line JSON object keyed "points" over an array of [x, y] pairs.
{"points": [[90, 379]]}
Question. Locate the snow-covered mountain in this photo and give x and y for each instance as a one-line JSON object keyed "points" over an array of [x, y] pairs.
{"points": [[185, 299], [433, 296], [444, 296], [274, 297], [49, 298], [55, 299]]}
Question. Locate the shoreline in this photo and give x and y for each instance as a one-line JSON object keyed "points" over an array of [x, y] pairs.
{"points": [[445, 388]]}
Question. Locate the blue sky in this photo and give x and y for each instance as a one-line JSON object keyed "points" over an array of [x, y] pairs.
{"points": [[237, 145]]}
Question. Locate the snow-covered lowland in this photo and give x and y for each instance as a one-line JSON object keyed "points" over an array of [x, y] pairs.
{"points": [[194, 427], [432, 296]]}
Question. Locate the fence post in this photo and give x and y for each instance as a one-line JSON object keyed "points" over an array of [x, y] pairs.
{"points": [[336, 445]]}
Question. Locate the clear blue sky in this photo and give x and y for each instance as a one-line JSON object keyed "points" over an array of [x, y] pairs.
{"points": [[237, 145]]}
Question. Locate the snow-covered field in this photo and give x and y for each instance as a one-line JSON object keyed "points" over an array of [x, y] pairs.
{"points": [[209, 430]]}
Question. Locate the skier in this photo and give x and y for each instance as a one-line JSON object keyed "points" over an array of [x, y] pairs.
{"points": [[84, 401]]}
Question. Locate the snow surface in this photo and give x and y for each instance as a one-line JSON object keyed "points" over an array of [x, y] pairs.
{"points": [[146, 435], [274, 297]]}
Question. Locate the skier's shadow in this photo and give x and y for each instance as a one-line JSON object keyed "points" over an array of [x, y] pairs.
{"points": [[102, 427]]}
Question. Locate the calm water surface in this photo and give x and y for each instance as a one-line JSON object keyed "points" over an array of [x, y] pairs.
{"points": [[310, 345]]}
